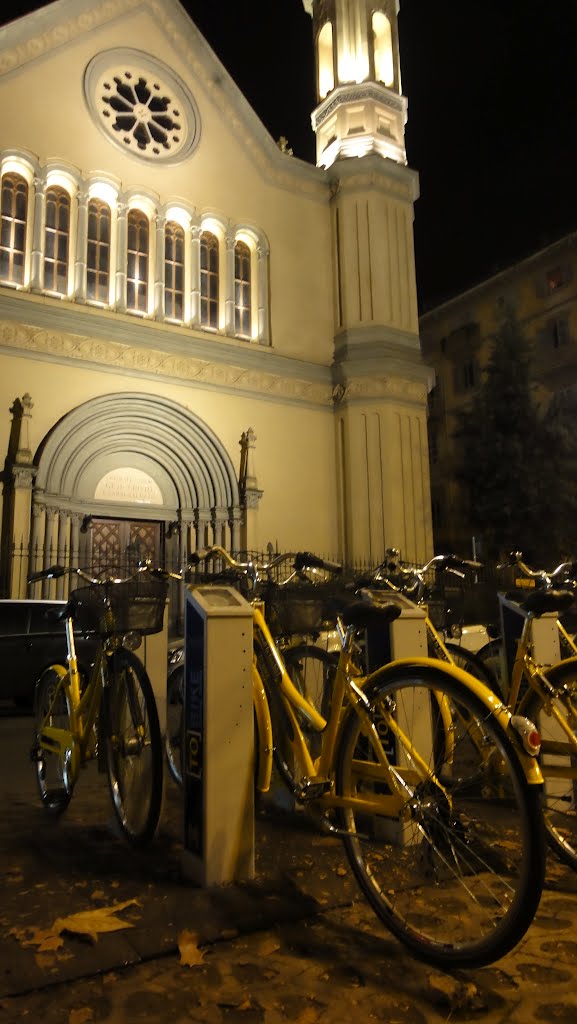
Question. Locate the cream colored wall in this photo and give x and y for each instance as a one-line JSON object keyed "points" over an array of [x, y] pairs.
{"points": [[236, 174], [294, 453]]}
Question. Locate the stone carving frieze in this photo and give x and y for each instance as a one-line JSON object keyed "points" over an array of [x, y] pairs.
{"points": [[155, 362], [381, 387]]}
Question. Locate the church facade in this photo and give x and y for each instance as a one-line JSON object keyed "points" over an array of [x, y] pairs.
{"points": [[202, 338]]}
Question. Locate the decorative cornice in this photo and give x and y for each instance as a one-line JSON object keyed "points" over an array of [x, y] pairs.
{"points": [[355, 94], [131, 359], [362, 388]]}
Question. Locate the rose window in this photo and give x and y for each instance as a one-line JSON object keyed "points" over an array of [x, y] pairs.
{"points": [[141, 106]]}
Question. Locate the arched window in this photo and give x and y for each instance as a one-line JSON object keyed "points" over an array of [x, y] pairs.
{"points": [[383, 43], [174, 271], [242, 289], [56, 240], [325, 60], [208, 280], [137, 262], [98, 251], [14, 205]]}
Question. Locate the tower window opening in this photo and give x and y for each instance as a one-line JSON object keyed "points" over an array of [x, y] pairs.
{"points": [[383, 49], [325, 60]]}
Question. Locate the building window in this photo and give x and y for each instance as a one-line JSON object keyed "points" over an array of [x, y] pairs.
{"points": [[98, 252], [209, 280], [465, 376], [174, 271], [242, 290], [137, 262], [556, 278], [13, 235], [56, 240], [559, 332]]}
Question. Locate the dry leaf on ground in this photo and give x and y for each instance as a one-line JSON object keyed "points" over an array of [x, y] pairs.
{"points": [[190, 954]]}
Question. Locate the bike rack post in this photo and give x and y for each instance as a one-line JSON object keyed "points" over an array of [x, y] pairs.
{"points": [[218, 736]]}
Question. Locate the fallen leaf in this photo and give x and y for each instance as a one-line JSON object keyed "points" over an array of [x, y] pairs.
{"points": [[190, 954], [87, 922], [94, 922], [80, 1016], [98, 894], [268, 946]]}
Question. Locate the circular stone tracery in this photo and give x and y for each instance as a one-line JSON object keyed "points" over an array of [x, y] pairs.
{"points": [[141, 106]]}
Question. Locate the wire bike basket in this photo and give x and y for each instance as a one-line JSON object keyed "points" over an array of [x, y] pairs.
{"points": [[303, 610], [110, 608]]}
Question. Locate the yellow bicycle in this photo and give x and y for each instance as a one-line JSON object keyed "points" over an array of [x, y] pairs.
{"points": [[454, 872], [111, 715], [545, 693]]}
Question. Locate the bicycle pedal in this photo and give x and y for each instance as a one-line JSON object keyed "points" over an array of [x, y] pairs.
{"points": [[310, 789]]}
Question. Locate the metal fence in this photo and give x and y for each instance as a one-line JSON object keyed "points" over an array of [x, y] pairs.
{"points": [[472, 599]]}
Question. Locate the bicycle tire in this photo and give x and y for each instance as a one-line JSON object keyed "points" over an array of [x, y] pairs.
{"points": [[560, 795], [491, 655], [133, 747], [457, 874], [173, 740], [52, 707], [471, 662], [312, 670]]}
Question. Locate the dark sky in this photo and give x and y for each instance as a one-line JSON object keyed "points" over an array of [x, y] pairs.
{"points": [[492, 129]]}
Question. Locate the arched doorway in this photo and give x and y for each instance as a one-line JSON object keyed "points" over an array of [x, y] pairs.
{"points": [[130, 475]]}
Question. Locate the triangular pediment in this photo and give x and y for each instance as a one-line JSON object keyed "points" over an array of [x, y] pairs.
{"points": [[44, 57]]}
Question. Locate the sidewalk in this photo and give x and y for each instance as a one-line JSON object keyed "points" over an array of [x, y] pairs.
{"points": [[298, 943]]}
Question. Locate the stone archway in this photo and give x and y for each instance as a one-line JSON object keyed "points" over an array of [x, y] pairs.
{"points": [[194, 486]]}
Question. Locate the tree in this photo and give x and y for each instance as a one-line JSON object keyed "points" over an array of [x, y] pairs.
{"points": [[504, 465]]}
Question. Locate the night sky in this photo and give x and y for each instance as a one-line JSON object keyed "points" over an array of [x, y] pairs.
{"points": [[492, 129]]}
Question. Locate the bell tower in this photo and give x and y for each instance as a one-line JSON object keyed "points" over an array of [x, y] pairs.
{"points": [[380, 382], [358, 81]]}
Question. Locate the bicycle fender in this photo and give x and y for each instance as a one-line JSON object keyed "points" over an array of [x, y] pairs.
{"points": [[264, 746], [491, 701]]}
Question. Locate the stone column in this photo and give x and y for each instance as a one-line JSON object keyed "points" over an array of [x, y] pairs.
{"points": [[48, 548], [249, 492], [36, 264], [22, 477], [158, 313], [62, 552], [263, 297], [229, 286], [122, 241], [195, 233], [81, 248]]}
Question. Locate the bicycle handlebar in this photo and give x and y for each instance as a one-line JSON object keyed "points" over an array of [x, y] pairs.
{"points": [[54, 572], [301, 560], [564, 571]]}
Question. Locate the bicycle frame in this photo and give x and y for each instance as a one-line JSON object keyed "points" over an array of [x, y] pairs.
{"points": [[526, 669], [347, 691], [83, 707]]}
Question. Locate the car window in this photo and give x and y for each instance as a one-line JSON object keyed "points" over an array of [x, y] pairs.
{"points": [[13, 617], [43, 619]]}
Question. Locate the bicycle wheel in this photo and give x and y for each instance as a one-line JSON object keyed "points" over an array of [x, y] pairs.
{"points": [[133, 747], [312, 670], [53, 771], [455, 873], [174, 723], [491, 655], [560, 799], [475, 666]]}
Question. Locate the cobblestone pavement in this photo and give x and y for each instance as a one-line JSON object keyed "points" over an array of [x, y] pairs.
{"points": [[298, 944]]}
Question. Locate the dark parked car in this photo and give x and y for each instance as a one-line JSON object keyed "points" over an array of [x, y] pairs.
{"points": [[31, 639]]}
